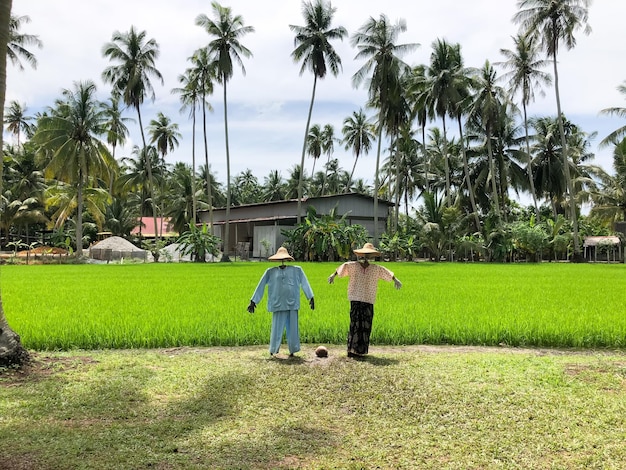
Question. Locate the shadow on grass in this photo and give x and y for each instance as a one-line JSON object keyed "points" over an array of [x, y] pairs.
{"points": [[376, 360]]}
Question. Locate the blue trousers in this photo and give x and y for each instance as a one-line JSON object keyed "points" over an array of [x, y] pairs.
{"points": [[281, 321]]}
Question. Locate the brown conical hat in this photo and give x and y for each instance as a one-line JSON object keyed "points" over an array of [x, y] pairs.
{"points": [[281, 255], [368, 249]]}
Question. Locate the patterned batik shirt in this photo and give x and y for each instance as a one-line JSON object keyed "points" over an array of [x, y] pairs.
{"points": [[363, 283]]}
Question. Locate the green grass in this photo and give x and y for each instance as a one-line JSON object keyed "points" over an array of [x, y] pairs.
{"points": [[64, 307], [401, 408]]}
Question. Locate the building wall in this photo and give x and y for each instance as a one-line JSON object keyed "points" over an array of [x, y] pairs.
{"points": [[252, 223]]}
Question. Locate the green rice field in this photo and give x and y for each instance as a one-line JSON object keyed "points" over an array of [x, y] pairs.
{"points": [[65, 307]]}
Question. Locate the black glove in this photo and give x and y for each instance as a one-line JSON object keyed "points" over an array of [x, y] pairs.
{"points": [[312, 303], [251, 307]]}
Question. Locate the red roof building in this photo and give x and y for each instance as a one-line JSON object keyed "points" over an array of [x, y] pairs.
{"points": [[147, 227]]}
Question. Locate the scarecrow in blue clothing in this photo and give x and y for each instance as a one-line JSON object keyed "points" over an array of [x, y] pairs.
{"points": [[283, 300]]}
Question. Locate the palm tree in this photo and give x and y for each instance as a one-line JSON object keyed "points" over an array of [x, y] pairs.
{"points": [[358, 133], [525, 76], [11, 349], [328, 147], [69, 137], [404, 168], [130, 78], [610, 197], [442, 92], [181, 198], [204, 72], [217, 195], [117, 131], [554, 22], [547, 162], [274, 187], [247, 188], [445, 90], [18, 42], [618, 134], [293, 182], [417, 91], [133, 180], [189, 98], [314, 49], [25, 189], [121, 219], [314, 144], [485, 109], [17, 121], [163, 134], [226, 31], [376, 42], [66, 198]]}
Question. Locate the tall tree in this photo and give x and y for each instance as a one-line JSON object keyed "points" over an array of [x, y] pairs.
{"points": [[445, 90], [417, 91], [547, 162], [11, 349], [554, 23], [18, 43], [443, 94], [610, 196], [376, 43], [164, 134], [358, 134], [189, 98], [485, 110], [616, 137], [135, 58], [204, 72], [524, 76], [314, 145], [116, 130], [17, 121], [226, 30], [274, 187], [328, 146], [314, 49], [69, 139]]}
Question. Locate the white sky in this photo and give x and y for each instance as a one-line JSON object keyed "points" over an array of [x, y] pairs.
{"points": [[268, 106]]}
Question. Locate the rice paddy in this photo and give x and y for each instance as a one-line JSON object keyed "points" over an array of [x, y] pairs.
{"points": [[118, 306]]}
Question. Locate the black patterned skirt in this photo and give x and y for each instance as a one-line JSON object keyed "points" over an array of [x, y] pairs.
{"points": [[361, 316]]}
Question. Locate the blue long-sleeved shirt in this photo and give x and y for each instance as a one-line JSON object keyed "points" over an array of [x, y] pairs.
{"points": [[283, 291]]}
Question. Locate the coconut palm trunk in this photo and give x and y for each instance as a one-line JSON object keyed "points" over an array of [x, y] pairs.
{"points": [[376, 176], [306, 133], [530, 162], [194, 203], [470, 188], [79, 215], [225, 256], [11, 350], [568, 177], [209, 189], [446, 158], [146, 156], [492, 171]]}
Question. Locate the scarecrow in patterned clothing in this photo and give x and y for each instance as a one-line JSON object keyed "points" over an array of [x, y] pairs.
{"points": [[362, 288]]}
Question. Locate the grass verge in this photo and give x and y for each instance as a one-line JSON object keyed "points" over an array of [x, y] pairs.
{"points": [[402, 407]]}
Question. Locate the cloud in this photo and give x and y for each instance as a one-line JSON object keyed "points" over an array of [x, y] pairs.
{"points": [[268, 106]]}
